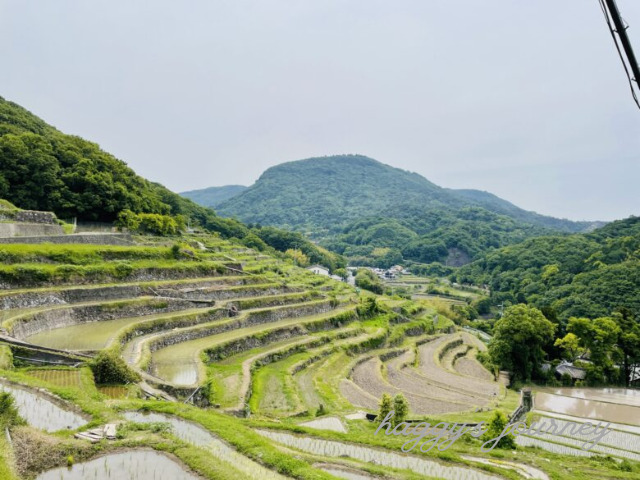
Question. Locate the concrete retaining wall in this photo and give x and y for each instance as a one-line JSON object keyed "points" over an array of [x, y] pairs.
{"points": [[19, 231], [58, 238]]}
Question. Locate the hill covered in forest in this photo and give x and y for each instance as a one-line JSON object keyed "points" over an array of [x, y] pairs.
{"points": [[582, 275], [42, 168], [380, 215]]}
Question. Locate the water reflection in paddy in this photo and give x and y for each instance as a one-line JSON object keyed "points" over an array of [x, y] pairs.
{"points": [[626, 396], [141, 464], [42, 413], [588, 409], [201, 437]]}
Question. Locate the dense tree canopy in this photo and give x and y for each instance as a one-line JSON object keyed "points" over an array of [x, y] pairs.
{"points": [[43, 169], [518, 341], [581, 275]]}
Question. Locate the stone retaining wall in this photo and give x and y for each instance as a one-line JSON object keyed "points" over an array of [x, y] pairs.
{"points": [[65, 317], [138, 275], [114, 292], [253, 318]]}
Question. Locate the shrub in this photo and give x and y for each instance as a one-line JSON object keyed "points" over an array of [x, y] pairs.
{"points": [[401, 407], [496, 426], [368, 280], [385, 407], [108, 367], [8, 411], [368, 307]]}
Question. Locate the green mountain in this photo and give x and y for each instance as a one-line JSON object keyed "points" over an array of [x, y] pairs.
{"points": [[42, 168], [582, 275], [213, 196], [379, 215], [498, 205]]}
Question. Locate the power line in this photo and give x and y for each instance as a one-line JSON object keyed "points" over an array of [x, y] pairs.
{"points": [[616, 26]]}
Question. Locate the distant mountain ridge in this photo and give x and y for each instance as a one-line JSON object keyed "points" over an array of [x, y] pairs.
{"points": [[213, 196]]}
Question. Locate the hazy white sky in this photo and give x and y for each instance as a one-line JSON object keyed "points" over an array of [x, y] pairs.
{"points": [[525, 99]]}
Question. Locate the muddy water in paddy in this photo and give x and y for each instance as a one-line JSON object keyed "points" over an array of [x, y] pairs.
{"points": [[40, 412], [625, 396], [591, 409], [141, 465], [88, 336]]}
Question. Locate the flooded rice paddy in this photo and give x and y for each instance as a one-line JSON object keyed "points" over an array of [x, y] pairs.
{"points": [[590, 406], [40, 412], [347, 474], [87, 336], [326, 423], [180, 364], [624, 396], [200, 437], [133, 465], [399, 460]]}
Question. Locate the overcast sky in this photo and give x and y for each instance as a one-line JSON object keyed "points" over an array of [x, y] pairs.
{"points": [[525, 99]]}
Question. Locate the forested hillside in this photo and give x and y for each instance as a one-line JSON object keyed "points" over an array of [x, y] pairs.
{"points": [[41, 168], [449, 236], [582, 275], [379, 215], [326, 193]]}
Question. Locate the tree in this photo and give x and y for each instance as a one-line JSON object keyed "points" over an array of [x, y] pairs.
{"points": [[129, 220], [386, 405], [341, 272], [628, 342], [299, 258], [599, 336], [518, 340], [571, 346], [368, 280], [401, 408]]}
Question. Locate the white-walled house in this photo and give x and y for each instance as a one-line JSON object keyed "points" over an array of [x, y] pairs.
{"points": [[319, 270]]}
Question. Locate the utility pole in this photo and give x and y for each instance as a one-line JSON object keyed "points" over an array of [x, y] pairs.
{"points": [[620, 29]]}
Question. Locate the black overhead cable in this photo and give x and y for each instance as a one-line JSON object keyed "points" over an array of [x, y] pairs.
{"points": [[612, 14]]}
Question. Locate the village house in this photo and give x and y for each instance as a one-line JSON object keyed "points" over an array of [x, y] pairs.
{"points": [[319, 270]]}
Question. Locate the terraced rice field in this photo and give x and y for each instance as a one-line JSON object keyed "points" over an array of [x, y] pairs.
{"points": [[423, 466], [434, 386], [60, 378], [245, 335], [116, 391], [180, 364]]}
